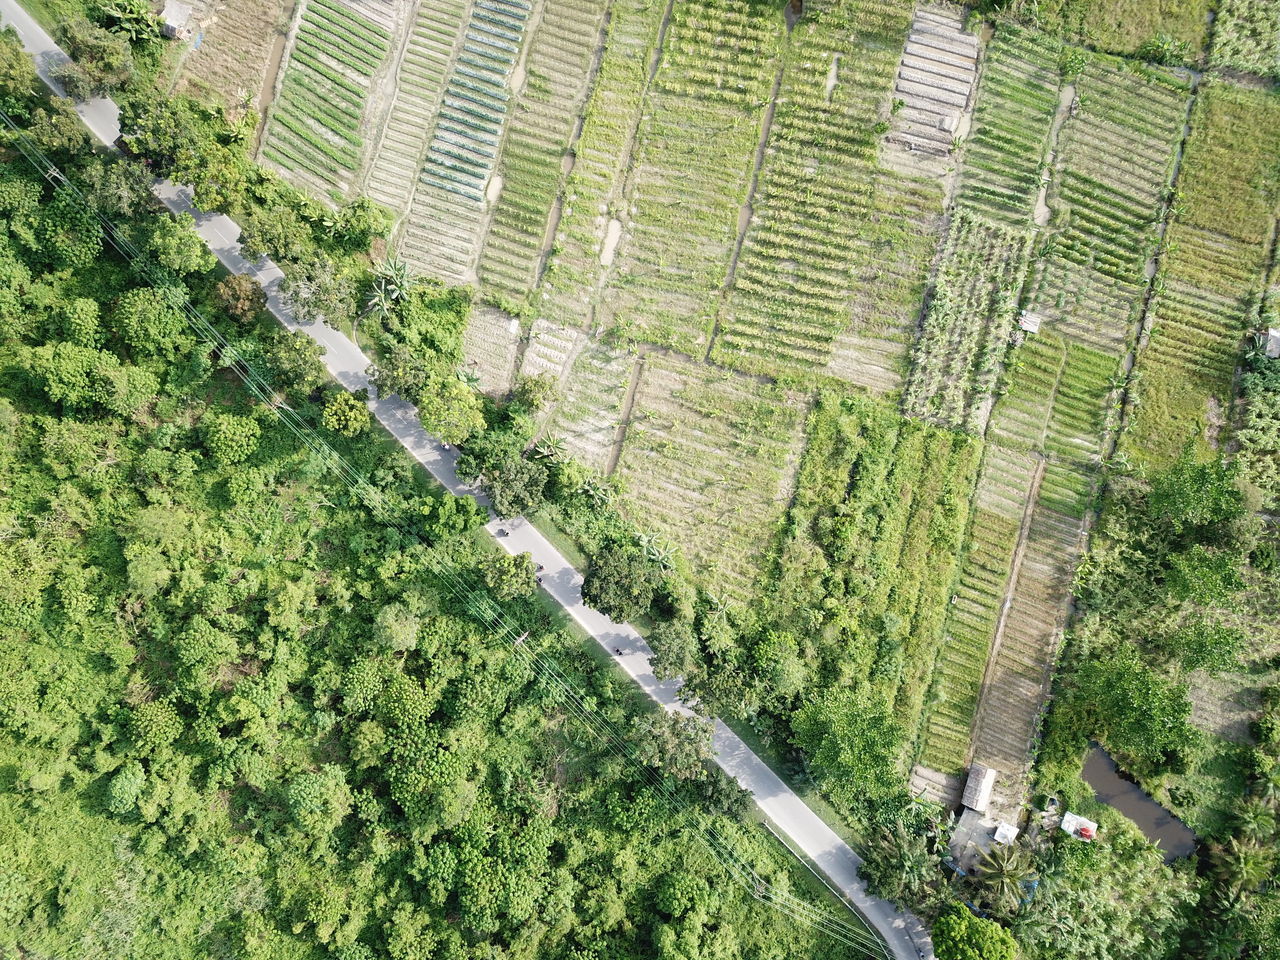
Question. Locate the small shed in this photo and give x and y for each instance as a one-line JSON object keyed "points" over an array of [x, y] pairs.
{"points": [[1273, 343], [1029, 321], [174, 19], [977, 789], [1006, 833], [1079, 827]]}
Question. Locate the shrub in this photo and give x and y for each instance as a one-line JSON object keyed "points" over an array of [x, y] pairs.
{"points": [[959, 935]]}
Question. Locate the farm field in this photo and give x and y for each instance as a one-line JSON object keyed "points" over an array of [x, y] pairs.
{"points": [[1247, 37], [880, 509], [1012, 122], [443, 229], [709, 461], [237, 40], [558, 74], [315, 126], [424, 68], [969, 323], [837, 246], [1211, 276], [933, 93], [1114, 159], [690, 173], [1123, 26]]}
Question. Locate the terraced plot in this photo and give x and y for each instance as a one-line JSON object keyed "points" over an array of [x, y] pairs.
{"points": [[593, 403], [593, 192], [969, 323], [236, 43], [1246, 36], [424, 70], [708, 461], [1000, 499], [443, 229], [933, 93], [1211, 273], [559, 70], [1012, 122], [691, 171], [490, 344], [1114, 161], [314, 132], [835, 261]]}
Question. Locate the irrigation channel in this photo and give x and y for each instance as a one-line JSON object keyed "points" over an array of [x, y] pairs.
{"points": [[1171, 835], [877, 928]]}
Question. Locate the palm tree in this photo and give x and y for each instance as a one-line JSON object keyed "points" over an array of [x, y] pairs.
{"points": [[1240, 866], [1257, 820], [1267, 786], [1001, 873]]}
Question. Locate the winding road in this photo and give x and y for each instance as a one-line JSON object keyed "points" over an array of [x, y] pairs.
{"points": [[904, 933]]}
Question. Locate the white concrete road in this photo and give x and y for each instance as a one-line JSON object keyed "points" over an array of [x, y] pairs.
{"points": [[904, 933]]}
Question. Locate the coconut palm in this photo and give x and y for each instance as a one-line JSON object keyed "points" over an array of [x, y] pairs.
{"points": [[1267, 786], [1001, 873], [1257, 820], [1240, 865]]}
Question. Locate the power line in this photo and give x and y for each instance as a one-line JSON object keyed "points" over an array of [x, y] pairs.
{"points": [[473, 597]]}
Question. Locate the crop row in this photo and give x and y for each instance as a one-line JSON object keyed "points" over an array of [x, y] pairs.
{"points": [[1246, 36], [836, 245], [706, 463], [558, 70], [1115, 157], [424, 70], [446, 217], [1211, 272], [999, 502], [1017, 100], [691, 171], [593, 189], [314, 126], [969, 324]]}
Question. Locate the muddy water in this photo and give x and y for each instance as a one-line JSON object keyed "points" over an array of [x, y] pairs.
{"points": [[1161, 827]]}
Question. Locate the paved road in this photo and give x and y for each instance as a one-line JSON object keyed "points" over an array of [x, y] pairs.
{"points": [[903, 932]]}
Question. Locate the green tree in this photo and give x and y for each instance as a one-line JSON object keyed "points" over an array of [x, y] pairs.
{"points": [[1200, 643], [176, 245], [103, 60], [149, 324], [959, 935], [155, 725], [1139, 713], [621, 582], [510, 576], [295, 362], [69, 234], [125, 788], [320, 800], [852, 740], [345, 414], [241, 297], [396, 628], [516, 485], [19, 82], [1001, 872], [1192, 494], [1204, 576], [231, 439]]}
